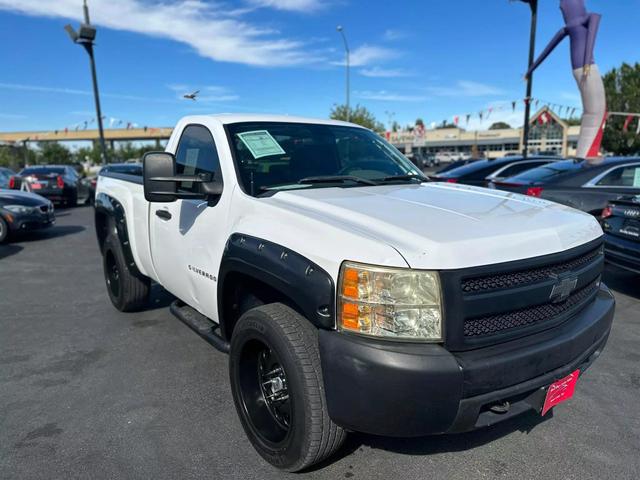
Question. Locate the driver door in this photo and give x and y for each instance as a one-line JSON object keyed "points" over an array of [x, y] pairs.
{"points": [[184, 244]]}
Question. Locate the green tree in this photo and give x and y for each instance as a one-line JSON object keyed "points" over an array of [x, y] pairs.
{"points": [[572, 121], [91, 154], [359, 115], [53, 152], [500, 126], [446, 124], [622, 86], [16, 157]]}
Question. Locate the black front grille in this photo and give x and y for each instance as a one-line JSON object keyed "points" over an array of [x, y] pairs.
{"points": [[522, 278], [491, 304], [492, 324]]}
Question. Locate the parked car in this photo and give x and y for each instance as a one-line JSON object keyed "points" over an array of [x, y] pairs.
{"points": [[59, 183], [5, 177], [22, 212], [621, 224], [350, 292], [124, 168], [422, 161], [578, 183], [483, 172], [456, 164], [430, 160], [448, 157]]}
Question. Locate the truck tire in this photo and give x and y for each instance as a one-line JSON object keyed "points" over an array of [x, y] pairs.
{"points": [[4, 230], [127, 292], [277, 386]]}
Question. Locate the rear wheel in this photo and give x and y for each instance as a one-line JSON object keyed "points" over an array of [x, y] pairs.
{"points": [[127, 291], [277, 386], [4, 230]]}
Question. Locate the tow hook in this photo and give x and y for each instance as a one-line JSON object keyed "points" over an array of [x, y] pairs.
{"points": [[500, 408]]}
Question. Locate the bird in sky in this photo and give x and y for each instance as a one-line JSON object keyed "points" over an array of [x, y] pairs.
{"points": [[192, 96]]}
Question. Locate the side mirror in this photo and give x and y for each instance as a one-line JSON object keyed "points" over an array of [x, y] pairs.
{"points": [[161, 181], [157, 167]]}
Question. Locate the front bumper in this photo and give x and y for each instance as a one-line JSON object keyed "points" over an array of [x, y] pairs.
{"points": [[30, 221], [622, 253], [409, 389]]}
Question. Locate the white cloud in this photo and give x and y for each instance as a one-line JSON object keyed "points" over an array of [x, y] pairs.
{"points": [[368, 54], [73, 91], [391, 35], [385, 96], [210, 28], [378, 72], [290, 5], [465, 88]]}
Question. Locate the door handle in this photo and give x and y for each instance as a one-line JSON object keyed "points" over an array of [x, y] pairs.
{"points": [[163, 214]]}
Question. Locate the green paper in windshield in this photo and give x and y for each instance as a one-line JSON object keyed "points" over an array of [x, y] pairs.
{"points": [[261, 144], [636, 178]]}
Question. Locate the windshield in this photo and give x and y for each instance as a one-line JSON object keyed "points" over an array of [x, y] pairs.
{"points": [[543, 174], [43, 171], [283, 156]]}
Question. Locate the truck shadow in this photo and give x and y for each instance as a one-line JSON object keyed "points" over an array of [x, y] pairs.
{"points": [[159, 297], [436, 444]]}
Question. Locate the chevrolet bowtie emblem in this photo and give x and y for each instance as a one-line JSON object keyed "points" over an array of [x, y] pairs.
{"points": [[565, 285]]}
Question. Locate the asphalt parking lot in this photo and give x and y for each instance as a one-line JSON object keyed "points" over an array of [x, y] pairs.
{"points": [[89, 392]]}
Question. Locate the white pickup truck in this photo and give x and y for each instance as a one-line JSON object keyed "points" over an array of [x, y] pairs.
{"points": [[350, 292]]}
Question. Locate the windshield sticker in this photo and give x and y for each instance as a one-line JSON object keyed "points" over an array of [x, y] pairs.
{"points": [[636, 178], [261, 144]]}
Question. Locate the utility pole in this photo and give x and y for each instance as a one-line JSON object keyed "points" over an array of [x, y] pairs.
{"points": [[533, 4], [86, 37], [348, 65]]}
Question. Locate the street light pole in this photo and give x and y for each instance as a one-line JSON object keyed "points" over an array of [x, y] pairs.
{"points": [[532, 51], [85, 37], [348, 65]]}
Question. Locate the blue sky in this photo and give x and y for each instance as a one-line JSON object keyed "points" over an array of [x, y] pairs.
{"points": [[429, 59]]}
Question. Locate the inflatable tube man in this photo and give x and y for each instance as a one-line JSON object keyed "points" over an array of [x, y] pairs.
{"points": [[582, 28]]}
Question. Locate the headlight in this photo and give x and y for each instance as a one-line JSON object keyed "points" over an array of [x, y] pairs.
{"points": [[19, 209], [390, 302]]}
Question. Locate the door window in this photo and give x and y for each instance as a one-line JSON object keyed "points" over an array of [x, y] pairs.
{"points": [[628, 176], [197, 154], [520, 167]]}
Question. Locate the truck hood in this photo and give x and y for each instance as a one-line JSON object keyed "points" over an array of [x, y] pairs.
{"points": [[447, 226]]}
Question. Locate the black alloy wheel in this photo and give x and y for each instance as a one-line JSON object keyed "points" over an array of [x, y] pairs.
{"points": [[264, 391], [112, 273]]}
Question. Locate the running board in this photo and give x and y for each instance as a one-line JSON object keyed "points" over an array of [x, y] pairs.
{"points": [[200, 324]]}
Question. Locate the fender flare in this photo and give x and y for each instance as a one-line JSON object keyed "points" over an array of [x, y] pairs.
{"points": [[309, 286], [109, 207]]}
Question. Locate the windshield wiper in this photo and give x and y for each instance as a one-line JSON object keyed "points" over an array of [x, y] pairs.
{"points": [[336, 179], [402, 178]]}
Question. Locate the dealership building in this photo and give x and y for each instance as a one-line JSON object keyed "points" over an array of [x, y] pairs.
{"points": [[548, 134]]}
